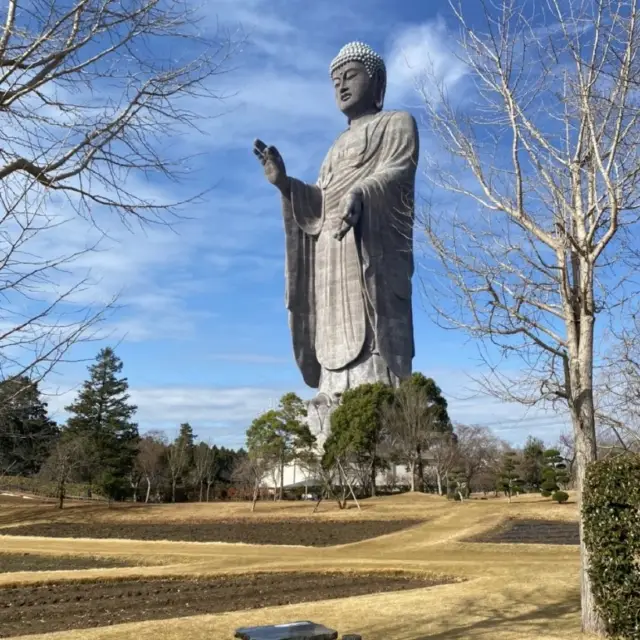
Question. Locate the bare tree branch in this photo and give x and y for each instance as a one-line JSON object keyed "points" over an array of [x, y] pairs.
{"points": [[543, 153]]}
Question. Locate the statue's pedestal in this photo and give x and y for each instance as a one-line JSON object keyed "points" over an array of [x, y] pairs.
{"points": [[319, 412]]}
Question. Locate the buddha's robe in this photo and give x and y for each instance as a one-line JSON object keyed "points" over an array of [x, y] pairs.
{"points": [[350, 299]]}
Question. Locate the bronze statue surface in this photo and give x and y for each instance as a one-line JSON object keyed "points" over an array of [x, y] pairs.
{"points": [[349, 240]]}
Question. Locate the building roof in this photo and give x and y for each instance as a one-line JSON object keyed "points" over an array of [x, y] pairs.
{"points": [[301, 484]]}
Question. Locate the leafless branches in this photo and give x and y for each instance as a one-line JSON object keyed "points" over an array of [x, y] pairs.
{"points": [[91, 91], [91, 94], [544, 156]]}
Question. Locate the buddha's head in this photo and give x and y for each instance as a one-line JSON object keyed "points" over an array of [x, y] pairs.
{"points": [[359, 77]]}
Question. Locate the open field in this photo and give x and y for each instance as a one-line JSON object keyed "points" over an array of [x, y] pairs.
{"points": [[308, 533], [14, 562], [531, 532], [506, 591], [68, 605]]}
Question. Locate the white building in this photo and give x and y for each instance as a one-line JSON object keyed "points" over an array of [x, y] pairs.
{"points": [[295, 474]]}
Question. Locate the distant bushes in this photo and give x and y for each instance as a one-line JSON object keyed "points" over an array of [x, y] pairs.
{"points": [[560, 497], [611, 514], [46, 489]]}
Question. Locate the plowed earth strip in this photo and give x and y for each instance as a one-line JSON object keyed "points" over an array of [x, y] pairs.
{"points": [[308, 533], [65, 606]]}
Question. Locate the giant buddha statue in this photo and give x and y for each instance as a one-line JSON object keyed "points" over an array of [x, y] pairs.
{"points": [[349, 241]]}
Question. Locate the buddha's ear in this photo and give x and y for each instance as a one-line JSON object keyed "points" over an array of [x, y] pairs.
{"points": [[379, 87]]}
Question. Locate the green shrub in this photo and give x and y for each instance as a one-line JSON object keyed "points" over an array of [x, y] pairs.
{"points": [[611, 515], [560, 496]]}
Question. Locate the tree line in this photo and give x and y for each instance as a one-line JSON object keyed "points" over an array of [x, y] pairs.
{"points": [[99, 452], [100, 448], [377, 429]]}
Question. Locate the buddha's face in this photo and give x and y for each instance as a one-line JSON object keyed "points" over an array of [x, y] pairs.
{"points": [[355, 90]]}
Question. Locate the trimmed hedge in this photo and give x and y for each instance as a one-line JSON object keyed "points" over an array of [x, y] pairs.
{"points": [[560, 497], [611, 514]]}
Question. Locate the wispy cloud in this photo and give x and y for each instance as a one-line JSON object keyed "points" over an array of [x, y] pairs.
{"points": [[203, 320], [423, 58]]}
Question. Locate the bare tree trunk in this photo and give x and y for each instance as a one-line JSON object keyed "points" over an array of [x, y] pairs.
{"points": [[317, 505], [174, 481], [439, 481], [373, 478], [412, 475], [256, 492], [201, 490], [583, 418], [208, 490], [146, 498], [282, 477], [420, 469], [61, 492]]}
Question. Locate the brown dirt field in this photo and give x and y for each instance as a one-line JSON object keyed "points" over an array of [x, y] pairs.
{"points": [[58, 607], [308, 533], [523, 592], [531, 532], [11, 562]]}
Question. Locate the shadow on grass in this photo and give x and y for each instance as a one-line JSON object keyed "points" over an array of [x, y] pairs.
{"points": [[549, 618]]}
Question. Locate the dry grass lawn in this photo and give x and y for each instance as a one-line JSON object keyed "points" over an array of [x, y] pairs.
{"points": [[511, 592]]}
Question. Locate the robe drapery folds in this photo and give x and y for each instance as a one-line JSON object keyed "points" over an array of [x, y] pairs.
{"points": [[338, 293]]}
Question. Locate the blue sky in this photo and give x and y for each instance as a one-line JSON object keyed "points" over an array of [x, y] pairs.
{"points": [[203, 330]]}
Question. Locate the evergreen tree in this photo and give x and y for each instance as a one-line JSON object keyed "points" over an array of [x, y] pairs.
{"points": [[509, 479], [416, 419], [458, 487], [26, 432], [180, 458], [532, 463], [279, 435], [554, 473], [102, 415], [357, 427]]}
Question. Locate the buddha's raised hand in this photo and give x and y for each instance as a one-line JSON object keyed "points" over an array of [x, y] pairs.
{"points": [[273, 164]]}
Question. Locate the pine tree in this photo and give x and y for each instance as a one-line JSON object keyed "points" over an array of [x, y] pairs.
{"points": [[509, 480], [26, 432], [554, 472], [180, 457], [279, 435], [102, 414], [532, 463]]}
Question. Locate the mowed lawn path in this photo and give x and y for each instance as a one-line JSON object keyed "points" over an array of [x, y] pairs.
{"points": [[511, 591]]}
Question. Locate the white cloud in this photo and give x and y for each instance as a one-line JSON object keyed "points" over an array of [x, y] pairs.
{"points": [[423, 57], [511, 421], [251, 358], [223, 414], [216, 413]]}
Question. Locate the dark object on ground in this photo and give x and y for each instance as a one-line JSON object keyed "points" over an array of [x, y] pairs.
{"points": [[65, 605], [308, 533], [292, 631], [532, 532], [352, 636], [10, 562]]}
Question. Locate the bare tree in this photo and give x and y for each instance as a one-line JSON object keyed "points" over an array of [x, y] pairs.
{"points": [[477, 452], [177, 461], [202, 463], [251, 471], [443, 456], [67, 457], [152, 449], [90, 93], [412, 422], [546, 150], [618, 410]]}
